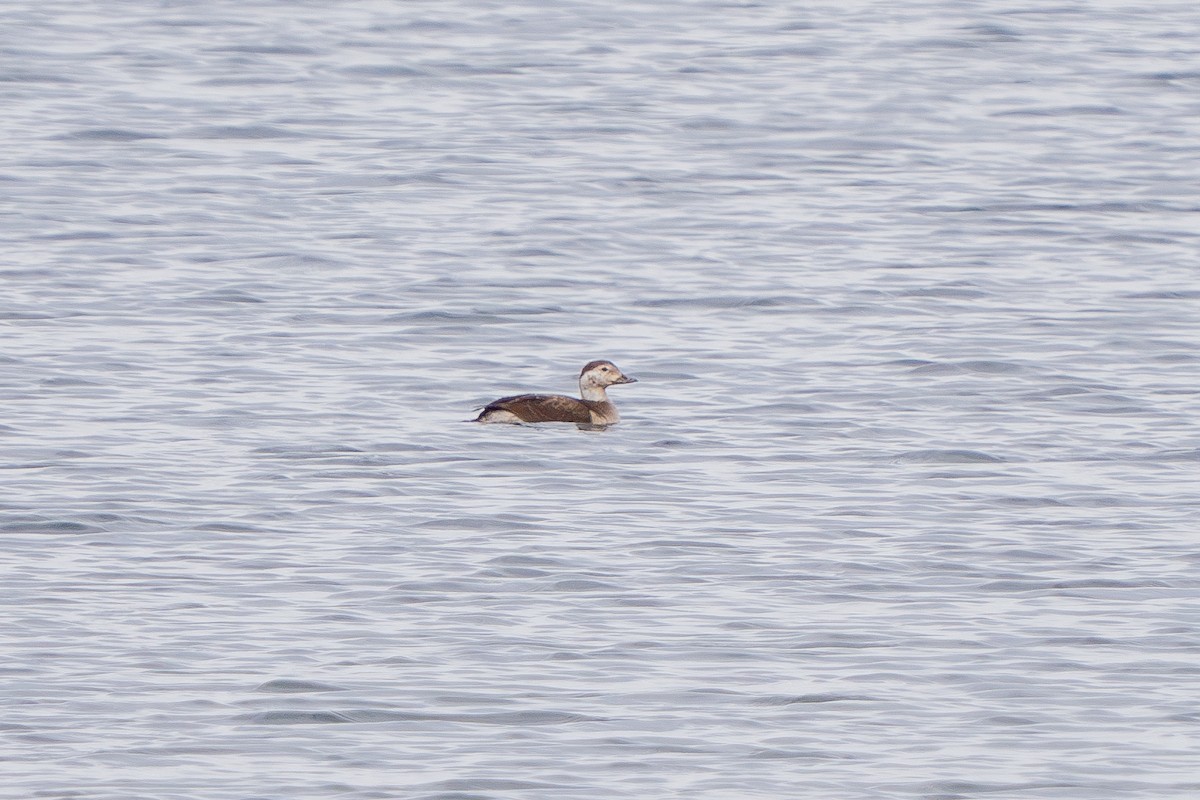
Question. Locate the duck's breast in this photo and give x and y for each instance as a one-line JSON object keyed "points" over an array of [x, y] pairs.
{"points": [[603, 412]]}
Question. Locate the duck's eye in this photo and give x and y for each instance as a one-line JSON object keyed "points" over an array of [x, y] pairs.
{"points": [[604, 369]]}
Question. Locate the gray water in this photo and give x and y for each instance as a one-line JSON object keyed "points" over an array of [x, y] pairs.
{"points": [[903, 505]]}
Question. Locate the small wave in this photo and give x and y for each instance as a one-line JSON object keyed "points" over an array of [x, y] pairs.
{"points": [[581, 585], [292, 686], [461, 785], [265, 49], [306, 451], [326, 717], [1062, 111], [993, 32], [724, 301], [242, 132], [225, 296], [47, 526], [804, 699], [950, 292], [1165, 295], [33, 77], [947, 457], [110, 135], [1016, 501], [983, 367], [1107, 583], [384, 71], [297, 718]]}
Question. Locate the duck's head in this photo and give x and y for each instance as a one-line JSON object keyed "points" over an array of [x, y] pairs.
{"points": [[598, 374]]}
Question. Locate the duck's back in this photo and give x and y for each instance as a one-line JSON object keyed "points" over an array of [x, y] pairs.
{"points": [[536, 408]]}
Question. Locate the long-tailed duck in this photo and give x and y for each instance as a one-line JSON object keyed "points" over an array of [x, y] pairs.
{"points": [[594, 409]]}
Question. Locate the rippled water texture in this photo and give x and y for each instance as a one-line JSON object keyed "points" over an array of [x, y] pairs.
{"points": [[903, 505]]}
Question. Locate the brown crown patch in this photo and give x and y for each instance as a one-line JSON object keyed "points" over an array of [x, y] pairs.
{"points": [[593, 364]]}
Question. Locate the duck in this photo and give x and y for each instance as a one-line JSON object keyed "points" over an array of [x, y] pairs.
{"points": [[593, 409]]}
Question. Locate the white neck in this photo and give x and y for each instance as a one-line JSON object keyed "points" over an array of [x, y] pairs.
{"points": [[593, 393]]}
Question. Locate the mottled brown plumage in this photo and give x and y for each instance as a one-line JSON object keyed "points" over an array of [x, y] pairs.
{"points": [[594, 409], [542, 408]]}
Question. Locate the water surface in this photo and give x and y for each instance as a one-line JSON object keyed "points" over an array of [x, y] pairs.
{"points": [[903, 504]]}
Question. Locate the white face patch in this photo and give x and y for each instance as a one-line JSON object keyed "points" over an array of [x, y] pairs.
{"points": [[603, 375]]}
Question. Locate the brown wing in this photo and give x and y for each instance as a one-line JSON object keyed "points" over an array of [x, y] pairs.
{"points": [[542, 408]]}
